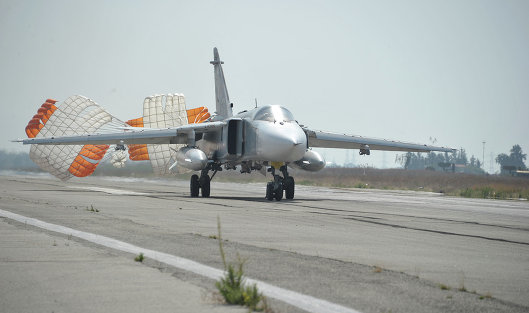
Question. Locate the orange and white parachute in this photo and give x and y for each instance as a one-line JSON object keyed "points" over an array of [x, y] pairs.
{"points": [[163, 111], [79, 115]]}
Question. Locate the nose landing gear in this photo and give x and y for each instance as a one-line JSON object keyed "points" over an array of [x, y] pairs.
{"points": [[274, 189]]}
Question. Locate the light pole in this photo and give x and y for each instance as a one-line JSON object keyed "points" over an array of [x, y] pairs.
{"points": [[483, 156]]}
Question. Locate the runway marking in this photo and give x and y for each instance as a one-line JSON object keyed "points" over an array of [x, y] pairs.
{"points": [[110, 190], [299, 300]]}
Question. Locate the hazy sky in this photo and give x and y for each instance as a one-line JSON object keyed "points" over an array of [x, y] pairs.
{"points": [[457, 71]]}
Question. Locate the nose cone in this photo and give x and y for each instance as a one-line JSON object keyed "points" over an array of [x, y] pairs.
{"points": [[281, 143]]}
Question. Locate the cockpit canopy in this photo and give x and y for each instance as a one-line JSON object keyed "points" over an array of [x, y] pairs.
{"points": [[273, 113]]}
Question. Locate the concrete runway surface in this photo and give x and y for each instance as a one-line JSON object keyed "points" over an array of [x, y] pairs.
{"points": [[370, 250]]}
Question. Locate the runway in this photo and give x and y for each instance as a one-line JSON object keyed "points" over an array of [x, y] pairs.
{"points": [[325, 243]]}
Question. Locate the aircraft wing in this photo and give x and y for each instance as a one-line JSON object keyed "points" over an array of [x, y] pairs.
{"points": [[341, 141], [174, 135]]}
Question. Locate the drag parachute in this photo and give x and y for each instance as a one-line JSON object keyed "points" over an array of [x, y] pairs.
{"points": [[79, 115]]}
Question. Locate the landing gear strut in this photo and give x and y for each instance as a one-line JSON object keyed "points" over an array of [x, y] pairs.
{"points": [[274, 189], [203, 182]]}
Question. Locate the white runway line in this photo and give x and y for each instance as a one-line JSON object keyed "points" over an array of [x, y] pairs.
{"points": [[296, 299], [109, 190]]}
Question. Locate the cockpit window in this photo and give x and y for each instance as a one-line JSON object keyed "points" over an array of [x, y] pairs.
{"points": [[274, 113]]}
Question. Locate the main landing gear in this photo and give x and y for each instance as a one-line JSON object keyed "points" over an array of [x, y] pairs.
{"points": [[203, 182], [274, 189]]}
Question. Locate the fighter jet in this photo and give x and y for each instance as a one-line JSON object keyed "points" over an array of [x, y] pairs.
{"points": [[265, 138]]}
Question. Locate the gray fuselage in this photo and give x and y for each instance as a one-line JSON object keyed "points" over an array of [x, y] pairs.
{"points": [[264, 134]]}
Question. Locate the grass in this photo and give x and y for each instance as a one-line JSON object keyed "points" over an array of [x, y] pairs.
{"points": [[452, 184], [485, 296], [377, 269], [232, 286], [139, 258], [444, 287]]}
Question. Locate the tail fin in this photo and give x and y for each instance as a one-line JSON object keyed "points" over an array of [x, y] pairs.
{"points": [[224, 108]]}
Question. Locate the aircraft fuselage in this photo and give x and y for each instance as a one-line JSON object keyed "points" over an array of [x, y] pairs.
{"points": [[264, 134]]}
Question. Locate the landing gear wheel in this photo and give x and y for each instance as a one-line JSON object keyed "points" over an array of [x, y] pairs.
{"points": [[289, 187], [278, 193], [270, 191], [194, 186], [204, 185]]}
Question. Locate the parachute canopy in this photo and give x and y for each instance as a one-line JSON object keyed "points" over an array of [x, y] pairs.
{"points": [[79, 115]]}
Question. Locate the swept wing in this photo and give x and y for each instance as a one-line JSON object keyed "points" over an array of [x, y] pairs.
{"points": [[341, 141], [173, 135]]}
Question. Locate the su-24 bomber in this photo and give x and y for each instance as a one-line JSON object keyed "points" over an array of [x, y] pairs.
{"points": [[72, 138]]}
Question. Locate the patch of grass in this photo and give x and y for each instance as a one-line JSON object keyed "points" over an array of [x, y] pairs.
{"points": [[305, 182], [494, 192], [139, 258], [361, 185], [444, 287], [452, 184], [212, 236], [235, 291], [232, 286]]}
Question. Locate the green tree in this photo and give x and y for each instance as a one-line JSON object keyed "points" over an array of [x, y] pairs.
{"points": [[515, 159], [518, 157]]}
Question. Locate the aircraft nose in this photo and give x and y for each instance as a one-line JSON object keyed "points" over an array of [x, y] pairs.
{"points": [[286, 143]]}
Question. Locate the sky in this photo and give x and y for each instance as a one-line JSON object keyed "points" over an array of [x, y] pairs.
{"points": [[456, 72]]}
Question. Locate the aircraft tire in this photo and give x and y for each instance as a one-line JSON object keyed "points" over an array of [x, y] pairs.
{"points": [[270, 191], [289, 187], [194, 186], [278, 194], [205, 183]]}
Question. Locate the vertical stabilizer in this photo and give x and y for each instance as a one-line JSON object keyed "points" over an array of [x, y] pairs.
{"points": [[221, 92]]}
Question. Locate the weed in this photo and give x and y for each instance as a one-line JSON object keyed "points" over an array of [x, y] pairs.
{"points": [[377, 269], [444, 287], [139, 258], [361, 185], [232, 286], [212, 237], [54, 243], [462, 283]]}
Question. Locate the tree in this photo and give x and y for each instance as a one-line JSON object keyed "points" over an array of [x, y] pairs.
{"points": [[472, 161], [518, 157], [515, 159]]}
